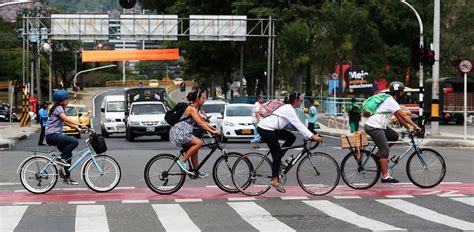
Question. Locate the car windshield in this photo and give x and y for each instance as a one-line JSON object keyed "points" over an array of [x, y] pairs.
{"points": [[148, 109], [213, 108], [71, 111], [116, 106], [81, 109], [239, 111]]}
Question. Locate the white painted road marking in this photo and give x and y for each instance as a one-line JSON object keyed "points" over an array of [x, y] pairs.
{"points": [[258, 217], [91, 218], [348, 216], [174, 218], [10, 216], [465, 200], [427, 214]]}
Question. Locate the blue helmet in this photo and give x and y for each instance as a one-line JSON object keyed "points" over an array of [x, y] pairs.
{"points": [[60, 95]]}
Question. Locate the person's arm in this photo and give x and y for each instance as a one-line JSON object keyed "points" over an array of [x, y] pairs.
{"points": [[405, 120], [201, 123], [70, 122], [290, 114]]}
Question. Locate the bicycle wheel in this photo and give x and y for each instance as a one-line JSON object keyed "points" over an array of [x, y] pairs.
{"points": [[252, 174], [429, 176], [222, 172], [34, 179], [163, 175], [318, 173], [361, 174], [101, 181]]}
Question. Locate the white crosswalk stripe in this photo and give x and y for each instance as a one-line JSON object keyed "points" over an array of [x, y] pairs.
{"points": [[258, 217], [427, 214], [10, 216], [465, 200], [174, 218], [348, 216], [91, 218]]}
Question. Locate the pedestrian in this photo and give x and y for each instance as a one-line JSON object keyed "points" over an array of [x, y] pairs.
{"points": [[43, 118], [354, 115], [256, 117], [313, 115]]}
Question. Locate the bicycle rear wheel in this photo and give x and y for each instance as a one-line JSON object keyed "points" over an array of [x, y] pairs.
{"points": [[360, 174], [36, 181], [318, 173], [163, 175], [252, 174], [222, 172], [429, 176], [103, 181]]}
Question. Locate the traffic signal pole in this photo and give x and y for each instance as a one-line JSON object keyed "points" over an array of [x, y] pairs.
{"points": [[435, 89]]}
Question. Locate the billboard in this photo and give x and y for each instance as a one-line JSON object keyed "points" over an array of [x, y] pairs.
{"points": [[85, 27], [217, 27], [148, 27]]}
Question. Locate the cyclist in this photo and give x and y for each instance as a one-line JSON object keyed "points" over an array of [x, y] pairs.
{"points": [[376, 127], [181, 134], [271, 130], [54, 136]]}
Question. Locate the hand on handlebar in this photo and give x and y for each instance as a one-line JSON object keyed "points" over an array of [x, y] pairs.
{"points": [[316, 138]]}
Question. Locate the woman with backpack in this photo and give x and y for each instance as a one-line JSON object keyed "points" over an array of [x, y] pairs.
{"points": [[271, 129], [181, 134]]}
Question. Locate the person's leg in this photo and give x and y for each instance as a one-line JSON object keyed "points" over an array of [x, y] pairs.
{"points": [[41, 138], [352, 126], [66, 144], [288, 137], [311, 127], [356, 125], [192, 152], [378, 136], [256, 138], [272, 142]]}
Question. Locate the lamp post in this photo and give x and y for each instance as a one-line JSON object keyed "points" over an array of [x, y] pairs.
{"points": [[420, 111], [89, 70]]}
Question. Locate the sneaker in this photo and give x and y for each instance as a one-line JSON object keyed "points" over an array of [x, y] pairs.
{"points": [[183, 167], [62, 162], [202, 175], [389, 179], [254, 145], [70, 181], [279, 187]]}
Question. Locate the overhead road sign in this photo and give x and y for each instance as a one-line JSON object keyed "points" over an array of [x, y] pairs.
{"points": [[121, 55], [149, 27], [85, 27], [218, 27]]}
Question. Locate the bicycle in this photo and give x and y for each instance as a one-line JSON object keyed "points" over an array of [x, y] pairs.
{"points": [[363, 172], [317, 172], [164, 176], [39, 173]]}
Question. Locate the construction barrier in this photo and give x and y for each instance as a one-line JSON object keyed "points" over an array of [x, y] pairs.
{"points": [[25, 119]]}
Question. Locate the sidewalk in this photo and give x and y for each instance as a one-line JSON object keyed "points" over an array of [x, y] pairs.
{"points": [[446, 138]]}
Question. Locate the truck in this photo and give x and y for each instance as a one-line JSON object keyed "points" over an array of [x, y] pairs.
{"points": [[145, 110], [451, 99]]}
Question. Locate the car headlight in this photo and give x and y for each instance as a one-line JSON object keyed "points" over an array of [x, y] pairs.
{"points": [[228, 123], [135, 123]]}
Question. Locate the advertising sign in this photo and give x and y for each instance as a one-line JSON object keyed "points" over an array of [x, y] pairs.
{"points": [[357, 79]]}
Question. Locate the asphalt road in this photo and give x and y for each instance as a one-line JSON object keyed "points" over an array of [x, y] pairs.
{"points": [[201, 206]]}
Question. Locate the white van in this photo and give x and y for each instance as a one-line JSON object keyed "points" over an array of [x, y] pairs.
{"points": [[112, 119]]}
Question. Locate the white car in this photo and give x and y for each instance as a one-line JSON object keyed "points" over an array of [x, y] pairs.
{"points": [[112, 119], [214, 109], [237, 122], [177, 81]]}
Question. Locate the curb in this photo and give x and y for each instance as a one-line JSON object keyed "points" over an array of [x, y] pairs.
{"points": [[6, 143]]}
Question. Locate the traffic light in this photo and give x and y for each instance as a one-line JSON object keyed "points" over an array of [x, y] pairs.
{"points": [[429, 58], [127, 4], [422, 55]]}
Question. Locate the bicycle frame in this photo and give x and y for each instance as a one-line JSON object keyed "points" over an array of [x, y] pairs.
{"points": [[213, 146]]}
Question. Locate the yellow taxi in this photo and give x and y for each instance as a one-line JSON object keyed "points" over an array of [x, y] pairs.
{"points": [[86, 115], [72, 113], [153, 83]]}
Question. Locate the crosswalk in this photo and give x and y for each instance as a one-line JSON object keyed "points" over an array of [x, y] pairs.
{"points": [[432, 213]]}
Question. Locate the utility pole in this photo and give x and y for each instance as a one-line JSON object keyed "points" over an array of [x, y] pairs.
{"points": [[435, 89]]}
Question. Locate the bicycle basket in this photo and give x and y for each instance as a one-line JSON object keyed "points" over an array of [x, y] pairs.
{"points": [[98, 143]]}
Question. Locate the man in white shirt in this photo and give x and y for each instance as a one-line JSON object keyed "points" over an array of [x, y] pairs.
{"points": [[255, 119], [376, 127], [271, 129]]}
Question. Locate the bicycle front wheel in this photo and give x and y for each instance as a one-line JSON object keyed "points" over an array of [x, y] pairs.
{"points": [[362, 173], [252, 174], [163, 175], [101, 181], [426, 169], [34, 179], [318, 173], [222, 172]]}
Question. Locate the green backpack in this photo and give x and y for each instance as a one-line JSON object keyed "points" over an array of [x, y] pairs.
{"points": [[369, 107]]}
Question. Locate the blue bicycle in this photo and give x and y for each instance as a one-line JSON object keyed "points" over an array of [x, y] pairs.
{"points": [[39, 173]]}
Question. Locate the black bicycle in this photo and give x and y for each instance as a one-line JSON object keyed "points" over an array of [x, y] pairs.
{"points": [[164, 176], [317, 173]]}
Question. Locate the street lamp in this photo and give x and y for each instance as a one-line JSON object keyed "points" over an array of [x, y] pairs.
{"points": [[16, 2], [420, 111], [89, 70]]}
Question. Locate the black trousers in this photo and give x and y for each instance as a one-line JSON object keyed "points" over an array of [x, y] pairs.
{"points": [[271, 138], [311, 127], [41, 138]]}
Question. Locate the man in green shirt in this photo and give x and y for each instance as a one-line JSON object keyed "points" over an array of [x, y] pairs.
{"points": [[354, 115]]}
